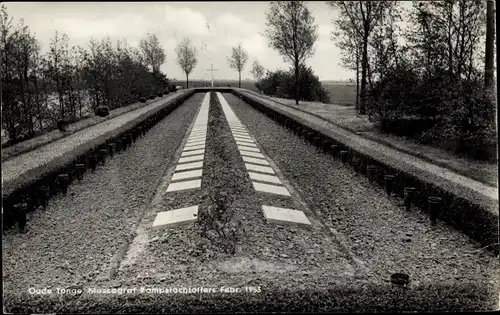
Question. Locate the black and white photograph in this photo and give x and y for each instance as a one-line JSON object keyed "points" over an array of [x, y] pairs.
{"points": [[249, 157]]}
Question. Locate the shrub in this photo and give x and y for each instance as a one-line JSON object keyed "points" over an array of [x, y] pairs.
{"points": [[142, 100], [160, 94], [451, 113], [151, 97], [281, 83]]}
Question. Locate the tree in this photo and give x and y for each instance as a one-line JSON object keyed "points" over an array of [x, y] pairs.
{"points": [[361, 18], [66, 82], [237, 61], [445, 36], [186, 57], [257, 70], [154, 55], [348, 41], [291, 31], [489, 48]]}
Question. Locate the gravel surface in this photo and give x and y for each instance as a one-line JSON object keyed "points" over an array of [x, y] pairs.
{"points": [[15, 167], [75, 239], [484, 195], [294, 268], [377, 229], [264, 251], [31, 144]]}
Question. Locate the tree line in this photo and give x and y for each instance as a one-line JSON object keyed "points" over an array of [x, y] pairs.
{"points": [[428, 75], [432, 80], [69, 83]]}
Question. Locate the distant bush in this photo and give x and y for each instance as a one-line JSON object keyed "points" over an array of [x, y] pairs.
{"points": [[160, 94], [281, 83], [142, 100], [151, 97]]}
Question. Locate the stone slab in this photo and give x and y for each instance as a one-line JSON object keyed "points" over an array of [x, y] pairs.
{"points": [[189, 166], [284, 216], [265, 178], [188, 184], [252, 154], [259, 168], [240, 133], [192, 158], [197, 137], [195, 142], [240, 137], [194, 147], [255, 160], [245, 140], [190, 141], [187, 174], [194, 152], [241, 148], [270, 189], [174, 218], [246, 144]]}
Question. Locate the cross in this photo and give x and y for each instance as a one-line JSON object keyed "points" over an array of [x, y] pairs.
{"points": [[212, 70]]}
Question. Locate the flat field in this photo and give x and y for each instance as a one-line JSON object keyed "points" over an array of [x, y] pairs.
{"points": [[341, 93]]}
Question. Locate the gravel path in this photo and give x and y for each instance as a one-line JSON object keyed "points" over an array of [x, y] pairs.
{"points": [[15, 167], [377, 229], [180, 256], [76, 238], [484, 195]]}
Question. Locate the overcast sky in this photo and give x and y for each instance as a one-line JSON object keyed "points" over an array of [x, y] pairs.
{"points": [[214, 27]]}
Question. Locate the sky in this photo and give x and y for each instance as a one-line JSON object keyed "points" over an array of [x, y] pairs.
{"points": [[213, 27]]}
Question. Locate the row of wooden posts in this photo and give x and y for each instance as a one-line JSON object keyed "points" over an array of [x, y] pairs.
{"points": [[39, 193], [348, 156]]}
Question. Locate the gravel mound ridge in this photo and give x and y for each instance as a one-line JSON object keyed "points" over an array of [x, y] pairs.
{"points": [[75, 239], [378, 229]]}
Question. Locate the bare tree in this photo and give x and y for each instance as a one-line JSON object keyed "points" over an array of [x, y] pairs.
{"points": [[348, 41], [291, 31], [186, 57], [257, 70], [154, 54], [489, 48], [237, 61]]}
